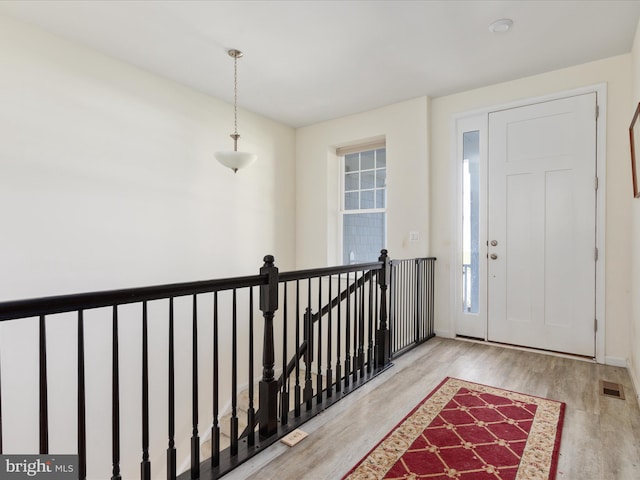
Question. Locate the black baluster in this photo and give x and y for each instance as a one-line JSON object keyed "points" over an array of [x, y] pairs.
{"points": [[44, 408], [215, 428], [410, 307], [356, 331], [284, 396], [319, 356], [329, 346], [115, 398], [145, 465], [82, 424], [407, 305], [195, 439], [298, 390], [308, 357], [347, 337], [417, 321], [234, 376], [338, 339], [361, 329], [251, 412], [376, 318], [171, 450], [400, 305], [370, 323], [432, 265], [268, 385], [382, 335]]}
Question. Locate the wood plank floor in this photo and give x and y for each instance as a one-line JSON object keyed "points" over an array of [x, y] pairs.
{"points": [[600, 440]]}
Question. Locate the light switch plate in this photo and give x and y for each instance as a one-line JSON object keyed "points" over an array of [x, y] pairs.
{"points": [[294, 437]]}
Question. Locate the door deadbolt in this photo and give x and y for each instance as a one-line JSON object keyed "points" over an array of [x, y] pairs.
{"points": [[494, 243], [494, 256]]}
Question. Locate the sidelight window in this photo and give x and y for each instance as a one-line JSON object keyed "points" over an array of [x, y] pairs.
{"points": [[470, 221]]}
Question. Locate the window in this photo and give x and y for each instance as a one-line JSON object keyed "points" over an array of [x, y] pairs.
{"points": [[470, 220], [364, 187]]}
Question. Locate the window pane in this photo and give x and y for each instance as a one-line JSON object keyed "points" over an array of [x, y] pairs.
{"points": [[367, 199], [363, 235], [351, 181], [364, 188], [351, 201], [368, 160], [470, 221], [368, 179], [351, 162]]}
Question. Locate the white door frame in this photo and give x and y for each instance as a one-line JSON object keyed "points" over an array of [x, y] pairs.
{"points": [[456, 204]]}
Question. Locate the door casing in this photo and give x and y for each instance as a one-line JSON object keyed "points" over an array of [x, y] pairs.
{"points": [[462, 119]]}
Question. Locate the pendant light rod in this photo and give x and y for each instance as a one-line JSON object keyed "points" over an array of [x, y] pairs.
{"points": [[235, 160], [236, 54]]}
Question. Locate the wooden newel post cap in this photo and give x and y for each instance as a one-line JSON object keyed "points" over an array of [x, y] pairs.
{"points": [[269, 292], [269, 260], [385, 277]]}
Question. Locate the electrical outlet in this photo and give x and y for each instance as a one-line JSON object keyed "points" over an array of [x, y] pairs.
{"points": [[414, 236]]}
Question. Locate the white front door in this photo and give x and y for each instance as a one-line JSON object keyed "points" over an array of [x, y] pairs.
{"points": [[541, 225]]}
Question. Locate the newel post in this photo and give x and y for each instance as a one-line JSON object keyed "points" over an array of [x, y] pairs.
{"points": [[268, 389], [382, 334]]}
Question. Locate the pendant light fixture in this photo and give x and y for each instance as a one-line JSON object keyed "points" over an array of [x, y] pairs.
{"points": [[235, 159]]}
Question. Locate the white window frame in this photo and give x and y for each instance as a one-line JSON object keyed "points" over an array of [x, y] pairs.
{"points": [[341, 153]]}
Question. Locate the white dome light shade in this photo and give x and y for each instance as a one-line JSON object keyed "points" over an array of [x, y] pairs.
{"points": [[235, 160]]}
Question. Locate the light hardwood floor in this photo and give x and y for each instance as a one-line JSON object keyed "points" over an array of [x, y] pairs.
{"points": [[600, 439]]}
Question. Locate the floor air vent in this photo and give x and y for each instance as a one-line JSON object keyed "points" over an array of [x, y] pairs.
{"points": [[610, 389]]}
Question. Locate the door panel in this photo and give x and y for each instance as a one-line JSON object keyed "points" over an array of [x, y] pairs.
{"points": [[541, 213]]}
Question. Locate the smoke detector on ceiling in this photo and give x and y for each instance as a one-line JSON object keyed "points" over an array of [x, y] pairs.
{"points": [[501, 26]]}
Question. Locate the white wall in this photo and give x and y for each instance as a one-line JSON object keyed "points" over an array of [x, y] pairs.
{"points": [[405, 128], [107, 180], [616, 72], [635, 231]]}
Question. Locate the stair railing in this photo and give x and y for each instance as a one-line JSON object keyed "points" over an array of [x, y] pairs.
{"points": [[334, 320], [80, 305]]}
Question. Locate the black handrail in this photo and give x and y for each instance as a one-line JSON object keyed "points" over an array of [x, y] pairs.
{"points": [[33, 307], [343, 336]]}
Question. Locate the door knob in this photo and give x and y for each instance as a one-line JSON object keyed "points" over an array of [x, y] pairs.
{"points": [[493, 256], [494, 243]]}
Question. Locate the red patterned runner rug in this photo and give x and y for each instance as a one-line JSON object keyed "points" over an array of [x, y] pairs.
{"points": [[468, 431]]}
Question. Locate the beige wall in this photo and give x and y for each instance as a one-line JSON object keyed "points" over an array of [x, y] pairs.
{"points": [[107, 180], [317, 180], [635, 234], [616, 72]]}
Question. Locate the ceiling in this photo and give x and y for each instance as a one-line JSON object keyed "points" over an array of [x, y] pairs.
{"points": [[313, 60]]}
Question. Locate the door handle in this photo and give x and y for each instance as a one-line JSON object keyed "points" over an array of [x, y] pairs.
{"points": [[493, 256]]}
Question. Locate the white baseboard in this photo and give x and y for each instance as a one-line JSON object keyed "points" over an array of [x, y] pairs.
{"points": [[615, 361], [442, 333], [634, 378]]}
